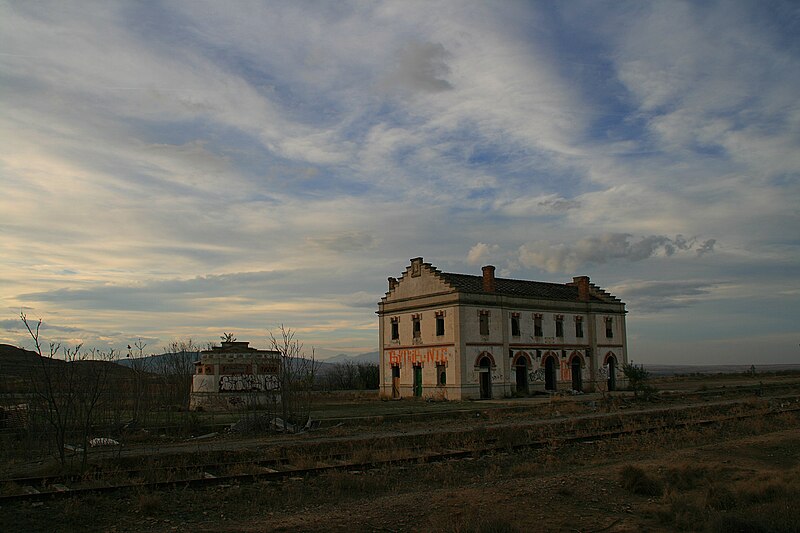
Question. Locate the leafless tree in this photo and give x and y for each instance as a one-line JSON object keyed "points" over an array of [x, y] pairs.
{"points": [[139, 385], [295, 376], [350, 375], [176, 369], [70, 389]]}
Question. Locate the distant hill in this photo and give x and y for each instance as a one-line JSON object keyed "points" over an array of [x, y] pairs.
{"points": [[19, 363], [156, 363], [368, 357], [672, 370]]}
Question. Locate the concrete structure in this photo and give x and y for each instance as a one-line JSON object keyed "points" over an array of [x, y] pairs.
{"points": [[457, 336], [234, 375]]}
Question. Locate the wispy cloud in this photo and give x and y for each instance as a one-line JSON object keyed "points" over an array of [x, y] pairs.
{"points": [[567, 257], [218, 164], [660, 296]]}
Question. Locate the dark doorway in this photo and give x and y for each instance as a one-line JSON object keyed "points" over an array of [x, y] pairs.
{"points": [[395, 382], [577, 379], [612, 373], [522, 375], [550, 373], [485, 378], [417, 381]]}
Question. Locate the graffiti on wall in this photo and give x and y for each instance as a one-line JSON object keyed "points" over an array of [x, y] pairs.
{"points": [[418, 355], [536, 376], [603, 371], [247, 383]]}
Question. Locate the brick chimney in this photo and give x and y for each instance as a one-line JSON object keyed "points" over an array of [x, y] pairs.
{"points": [[582, 282], [488, 279], [392, 283]]}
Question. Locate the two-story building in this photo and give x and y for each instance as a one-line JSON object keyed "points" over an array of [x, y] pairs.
{"points": [[234, 375], [459, 336]]}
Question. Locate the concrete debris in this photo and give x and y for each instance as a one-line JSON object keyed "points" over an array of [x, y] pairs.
{"points": [[267, 423], [14, 416], [206, 436], [103, 441]]}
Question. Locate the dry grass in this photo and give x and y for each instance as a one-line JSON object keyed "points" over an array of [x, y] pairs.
{"points": [[712, 494], [637, 481], [699, 497], [147, 503]]}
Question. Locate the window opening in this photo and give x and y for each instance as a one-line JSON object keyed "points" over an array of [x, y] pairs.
{"points": [[439, 324], [441, 374], [484, 323]]}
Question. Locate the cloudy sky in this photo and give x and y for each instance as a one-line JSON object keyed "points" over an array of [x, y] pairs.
{"points": [[173, 170]]}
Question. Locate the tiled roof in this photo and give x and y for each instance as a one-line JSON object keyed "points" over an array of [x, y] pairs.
{"points": [[514, 287]]}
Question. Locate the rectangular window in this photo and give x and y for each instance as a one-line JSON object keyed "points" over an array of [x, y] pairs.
{"points": [[559, 325], [395, 329], [579, 326], [415, 321], [609, 327], [439, 324], [537, 325], [441, 374], [515, 325], [484, 323]]}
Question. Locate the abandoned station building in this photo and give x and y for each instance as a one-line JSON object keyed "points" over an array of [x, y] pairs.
{"points": [[458, 336], [235, 375]]}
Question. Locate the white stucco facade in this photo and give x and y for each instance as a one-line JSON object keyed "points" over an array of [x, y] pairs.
{"points": [[456, 336]]}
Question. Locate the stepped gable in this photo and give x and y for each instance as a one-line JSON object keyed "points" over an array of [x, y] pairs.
{"points": [[602, 294], [394, 282]]}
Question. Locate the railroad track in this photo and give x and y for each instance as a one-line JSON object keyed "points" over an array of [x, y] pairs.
{"points": [[277, 469]]}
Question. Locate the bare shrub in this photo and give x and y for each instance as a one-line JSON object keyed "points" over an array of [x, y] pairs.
{"points": [[687, 476], [148, 502], [638, 380], [637, 481], [721, 498], [685, 512]]}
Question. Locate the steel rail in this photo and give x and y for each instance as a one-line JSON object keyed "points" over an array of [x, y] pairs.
{"points": [[276, 475]]}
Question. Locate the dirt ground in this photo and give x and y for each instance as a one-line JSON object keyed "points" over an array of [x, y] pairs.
{"points": [[738, 475], [567, 496]]}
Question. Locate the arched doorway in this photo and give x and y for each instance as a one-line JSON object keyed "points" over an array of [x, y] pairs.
{"points": [[521, 369], [577, 378], [550, 366], [612, 372], [485, 370]]}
